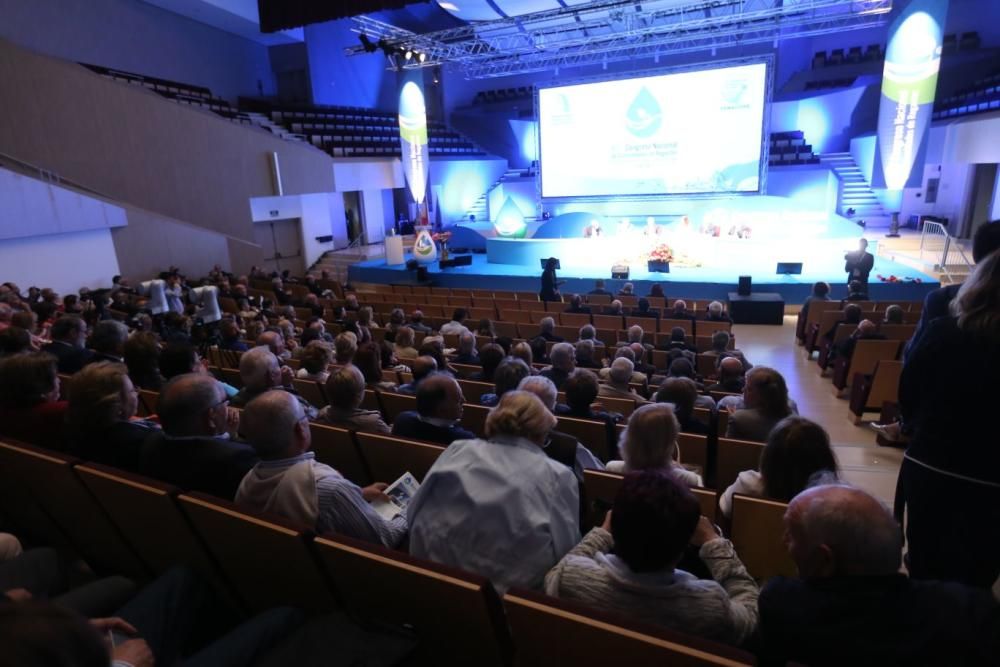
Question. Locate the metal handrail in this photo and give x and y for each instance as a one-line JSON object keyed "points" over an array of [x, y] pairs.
{"points": [[944, 252]]}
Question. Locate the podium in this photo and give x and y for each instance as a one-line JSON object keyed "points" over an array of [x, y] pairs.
{"points": [[394, 250]]}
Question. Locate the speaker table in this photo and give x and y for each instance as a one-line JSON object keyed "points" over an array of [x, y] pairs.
{"points": [[756, 308]]}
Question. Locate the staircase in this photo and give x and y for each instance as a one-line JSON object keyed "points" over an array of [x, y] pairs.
{"points": [[480, 208], [262, 121], [854, 190], [337, 261]]}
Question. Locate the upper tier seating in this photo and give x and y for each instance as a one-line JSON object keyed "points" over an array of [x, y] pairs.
{"points": [[788, 148], [982, 95]]}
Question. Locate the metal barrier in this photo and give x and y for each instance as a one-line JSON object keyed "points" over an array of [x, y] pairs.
{"points": [[939, 248]]}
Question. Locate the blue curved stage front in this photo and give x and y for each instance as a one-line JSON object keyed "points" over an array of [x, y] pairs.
{"points": [[712, 248]]}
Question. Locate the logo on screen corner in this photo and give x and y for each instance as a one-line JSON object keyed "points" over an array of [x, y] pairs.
{"points": [[734, 94], [644, 115]]}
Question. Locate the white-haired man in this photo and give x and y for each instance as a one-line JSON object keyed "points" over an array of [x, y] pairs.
{"points": [[617, 384], [851, 605], [260, 372], [290, 482], [563, 360]]}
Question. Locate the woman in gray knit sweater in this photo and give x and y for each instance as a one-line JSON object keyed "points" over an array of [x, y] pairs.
{"points": [[629, 564]]}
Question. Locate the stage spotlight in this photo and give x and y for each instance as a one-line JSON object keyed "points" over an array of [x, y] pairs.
{"points": [[422, 57], [408, 55]]}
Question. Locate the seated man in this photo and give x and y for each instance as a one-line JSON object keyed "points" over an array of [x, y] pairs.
{"points": [[635, 334], [617, 385], [509, 374], [345, 346], [720, 350], [456, 326], [260, 372], [563, 360], [584, 351], [893, 315], [69, 344], [856, 291], [716, 312], [107, 340], [643, 310], [679, 311], [439, 410], [599, 288], [640, 352], [229, 334], [627, 353], [614, 308], [547, 326], [560, 446], [588, 332], [290, 482], [417, 322], [576, 305], [489, 358], [867, 330], [731, 377], [274, 341], [851, 605], [194, 450], [420, 368], [581, 397], [345, 389], [682, 368], [629, 564], [467, 353]]}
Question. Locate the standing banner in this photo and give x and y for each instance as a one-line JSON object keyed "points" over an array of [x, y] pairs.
{"points": [[909, 83], [413, 139]]}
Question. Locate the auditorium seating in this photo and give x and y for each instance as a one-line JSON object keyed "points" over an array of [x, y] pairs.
{"points": [[756, 531], [790, 148], [980, 96]]}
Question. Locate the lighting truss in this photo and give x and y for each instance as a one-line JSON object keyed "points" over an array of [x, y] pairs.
{"points": [[616, 30]]}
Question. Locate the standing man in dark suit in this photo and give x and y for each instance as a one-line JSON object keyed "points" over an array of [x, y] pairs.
{"points": [[859, 263], [439, 409]]}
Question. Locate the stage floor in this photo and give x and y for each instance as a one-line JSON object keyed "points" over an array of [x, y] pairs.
{"points": [[700, 283]]}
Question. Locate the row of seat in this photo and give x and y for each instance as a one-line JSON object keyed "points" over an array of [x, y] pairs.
{"points": [[127, 524]]}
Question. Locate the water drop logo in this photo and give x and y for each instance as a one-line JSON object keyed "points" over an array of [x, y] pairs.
{"points": [[733, 92], [510, 221], [424, 249], [644, 115]]}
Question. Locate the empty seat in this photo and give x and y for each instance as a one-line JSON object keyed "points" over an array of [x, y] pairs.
{"points": [[389, 456], [336, 448], [757, 532]]}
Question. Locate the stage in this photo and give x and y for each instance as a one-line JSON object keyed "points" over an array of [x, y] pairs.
{"points": [[822, 260]]}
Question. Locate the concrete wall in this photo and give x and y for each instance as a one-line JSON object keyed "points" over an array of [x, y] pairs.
{"points": [[64, 262], [133, 146], [138, 37]]}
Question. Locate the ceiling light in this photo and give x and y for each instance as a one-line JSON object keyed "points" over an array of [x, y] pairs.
{"points": [[448, 6], [408, 54], [422, 57]]}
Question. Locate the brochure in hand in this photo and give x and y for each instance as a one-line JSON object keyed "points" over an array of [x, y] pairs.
{"points": [[399, 492]]}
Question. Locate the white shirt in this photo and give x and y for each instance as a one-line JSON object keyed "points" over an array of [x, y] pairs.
{"points": [[748, 483], [454, 327], [500, 508], [682, 475]]}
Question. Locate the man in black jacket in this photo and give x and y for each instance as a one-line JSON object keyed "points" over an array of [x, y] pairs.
{"points": [[850, 604], [439, 409], [69, 344], [859, 263]]}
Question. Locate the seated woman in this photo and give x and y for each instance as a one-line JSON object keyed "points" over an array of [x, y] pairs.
{"points": [[403, 346], [499, 507], [30, 409], [682, 392], [368, 359], [345, 389], [629, 565], [142, 356], [389, 360], [102, 407], [650, 443], [765, 403], [507, 377], [316, 357], [796, 450]]}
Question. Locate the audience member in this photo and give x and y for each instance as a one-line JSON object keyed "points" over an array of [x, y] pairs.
{"points": [[290, 482], [731, 376], [642, 309], [581, 389], [489, 358], [345, 345], [721, 350], [893, 315], [628, 289], [196, 450], [576, 305], [404, 343], [856, 291], [508, 376], [629, 564], [275, 341], [456, 325], [950, 477], [716, 312], [439, 411], [682, 393], [851, 605], [677, 346], [866, 330], [345, 389], [617, 384], [14, 341], [466, 352], [820, 292], [368, 360], [229, 334], [499, 507], [316, 359], [102, 404], [679, 311], [765, 403], [588, 332], [639, 353], [547, 327], [433, 346], [485, 328], [583, 352], [560, 446], [650, 443], [69, 344], [420, 368], [260, 372], [614, 308], [30, 406], [599, 288], [524, 352], [563, 360], [417, 322], [107, 340], [142, 356], [656, 290], [797, 452]]}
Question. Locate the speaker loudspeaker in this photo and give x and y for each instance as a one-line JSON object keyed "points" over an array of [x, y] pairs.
{"points": [[744, 288]]}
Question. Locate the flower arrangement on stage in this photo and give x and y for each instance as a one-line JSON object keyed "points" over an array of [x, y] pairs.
{"points": [[441, 237], [662, 253], [894, 279]]}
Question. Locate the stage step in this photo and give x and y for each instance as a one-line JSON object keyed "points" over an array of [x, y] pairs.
{"points": [[855, 191]]}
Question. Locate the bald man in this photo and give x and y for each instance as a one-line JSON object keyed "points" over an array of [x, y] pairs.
{"points": [[439, 411], [731, 376], [852, 606], [290, 482], [195, 450], [420, 367]]}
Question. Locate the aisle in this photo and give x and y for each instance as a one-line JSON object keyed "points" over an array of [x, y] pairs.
{"points": [[863, 462]]}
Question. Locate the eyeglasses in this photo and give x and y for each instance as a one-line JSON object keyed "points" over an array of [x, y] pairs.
{"points": [[224, 401]]}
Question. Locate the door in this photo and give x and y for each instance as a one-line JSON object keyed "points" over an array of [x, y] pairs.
{"points": [[281, 241], [353, 217]]}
